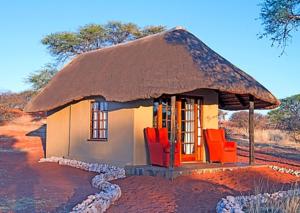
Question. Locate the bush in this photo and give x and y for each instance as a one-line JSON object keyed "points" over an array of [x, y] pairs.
{"points": [[287, 116], [11, 100], [241, 120], [12, 104], [7, 114], [288, 204]]}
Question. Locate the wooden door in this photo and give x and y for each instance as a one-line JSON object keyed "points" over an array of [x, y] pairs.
{"points": [[187, 136], [188, 123]]}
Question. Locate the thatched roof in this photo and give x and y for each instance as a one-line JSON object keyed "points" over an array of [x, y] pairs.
{"points": [[171, 62]]}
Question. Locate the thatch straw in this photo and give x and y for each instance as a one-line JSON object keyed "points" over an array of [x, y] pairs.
{"points": [[171, 62]]}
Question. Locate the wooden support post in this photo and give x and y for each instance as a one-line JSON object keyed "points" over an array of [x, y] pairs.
{"points": [[251, 130], [173, 130], [178, 126], [196, 147], [159, 114]]}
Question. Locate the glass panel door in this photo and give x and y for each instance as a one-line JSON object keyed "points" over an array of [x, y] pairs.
{"points": [[166, 115], [199, 124], [188, 122], [187, 127]]}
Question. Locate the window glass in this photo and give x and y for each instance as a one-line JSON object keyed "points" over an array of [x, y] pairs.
{"points": [[99, 120]]}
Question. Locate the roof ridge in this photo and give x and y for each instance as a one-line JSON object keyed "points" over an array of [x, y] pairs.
{"points": [[135, 40], [153, 66]]}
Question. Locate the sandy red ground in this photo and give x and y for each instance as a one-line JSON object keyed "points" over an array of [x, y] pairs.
{"points": [[28, 186], [196, 193], [200, 193]]}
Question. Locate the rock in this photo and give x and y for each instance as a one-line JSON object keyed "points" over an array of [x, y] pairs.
{"points": [[238, 210], [109, 192], [237, 204], [285, 170], [230, 199]]}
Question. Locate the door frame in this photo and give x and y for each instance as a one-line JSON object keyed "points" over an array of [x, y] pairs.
{"points": [[198, 155]]}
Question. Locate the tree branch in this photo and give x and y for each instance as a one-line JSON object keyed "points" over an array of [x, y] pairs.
{"points": [[294, 17]]}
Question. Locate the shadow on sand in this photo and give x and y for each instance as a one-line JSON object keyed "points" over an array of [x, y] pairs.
{"points": [[16, 194], [41, 133]]}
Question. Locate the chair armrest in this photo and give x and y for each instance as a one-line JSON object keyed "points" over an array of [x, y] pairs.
{"points": [[230, 144]]}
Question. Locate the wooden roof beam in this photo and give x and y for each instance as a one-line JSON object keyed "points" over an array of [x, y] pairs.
{"points": [[241, 100], [221, 102]]}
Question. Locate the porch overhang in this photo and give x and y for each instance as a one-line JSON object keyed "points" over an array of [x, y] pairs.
{"points": [[243, 102]]}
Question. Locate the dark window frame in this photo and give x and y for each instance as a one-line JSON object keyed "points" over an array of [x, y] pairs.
{"points": [[99, 116]]}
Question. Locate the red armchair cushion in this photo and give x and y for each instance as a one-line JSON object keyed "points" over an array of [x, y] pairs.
{"points": [[230, 146], [167, 149], [220, 149], [215, 135], [164, 140], [151, 135], [159, 147], [163, 137]]}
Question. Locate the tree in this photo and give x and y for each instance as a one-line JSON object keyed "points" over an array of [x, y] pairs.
{"points": [[287, 116], [40, 78], [241, 120], [11, 104], [64, 45], [222, 117], [279, 19]]}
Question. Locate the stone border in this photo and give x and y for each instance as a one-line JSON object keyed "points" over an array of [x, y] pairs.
{"points": [[109, 192], [285, 170], [232, 204]]}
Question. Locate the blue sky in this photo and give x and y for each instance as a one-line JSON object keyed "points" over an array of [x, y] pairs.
{"points": [[228, 27]]}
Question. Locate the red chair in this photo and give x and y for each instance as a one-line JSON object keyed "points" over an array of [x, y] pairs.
{"points": [[159, 147], [219, 148], [164, 140]]}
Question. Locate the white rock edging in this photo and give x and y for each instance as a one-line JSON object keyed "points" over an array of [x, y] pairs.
{"points": [[109, 192], [101, 201], [285, 170], [232, 204]]}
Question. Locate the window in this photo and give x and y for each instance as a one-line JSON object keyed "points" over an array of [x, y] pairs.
{"points": [[99, 120], [162, 114]]}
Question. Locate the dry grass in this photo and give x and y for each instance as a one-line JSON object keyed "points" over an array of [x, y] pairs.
{"points": [[7, 114], [289, 204], [11, 105], [270, 136], [15, 100]]}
